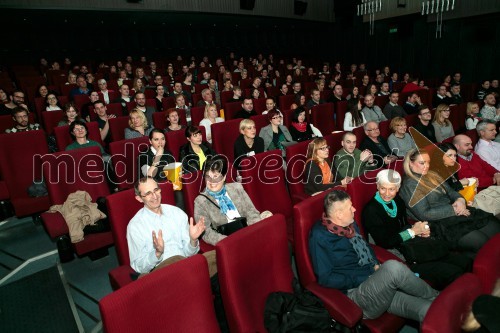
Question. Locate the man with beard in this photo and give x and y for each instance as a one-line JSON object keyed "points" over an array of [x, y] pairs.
{"points": [[20, 117], [16, 100]]}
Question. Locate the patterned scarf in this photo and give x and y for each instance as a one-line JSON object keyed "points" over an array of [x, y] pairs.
{"points": [[358, 243], [301, 127], [224, 201]]}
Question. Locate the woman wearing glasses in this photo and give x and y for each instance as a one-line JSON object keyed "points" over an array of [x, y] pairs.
{"points": [[442, 124], [52, 103], [222, 203], [275, 135], [318, 173]]}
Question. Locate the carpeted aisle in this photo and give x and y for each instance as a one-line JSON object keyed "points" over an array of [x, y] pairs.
{"points": [[36, 303]]}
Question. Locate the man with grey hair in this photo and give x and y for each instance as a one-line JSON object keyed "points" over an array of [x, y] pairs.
{"points": [[343, 260], [371, 111], [375, 143], [486, 147], [207, 97]]}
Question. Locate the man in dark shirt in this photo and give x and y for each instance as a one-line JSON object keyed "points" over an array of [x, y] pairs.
{"points": [[377, 145], [456, 98], [82, 88], [16, 100], [337, 94], [442, 97], [246, 109], [412, 104], [393, 109], [424, 125], [315, 99], [102, 120]]}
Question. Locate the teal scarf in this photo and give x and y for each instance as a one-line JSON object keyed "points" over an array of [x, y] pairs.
{"points": [[392, 212]]}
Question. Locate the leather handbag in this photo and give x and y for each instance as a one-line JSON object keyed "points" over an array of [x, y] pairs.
{"points": [[230, 227]]}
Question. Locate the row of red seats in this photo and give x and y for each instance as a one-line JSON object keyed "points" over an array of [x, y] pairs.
{"points": [[245, 278]]}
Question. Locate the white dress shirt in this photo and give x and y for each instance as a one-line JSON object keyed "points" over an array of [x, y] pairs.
{"points": [[489, 151]]}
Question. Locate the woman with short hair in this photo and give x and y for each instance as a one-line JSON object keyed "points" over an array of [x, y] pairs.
{"points": [[385, 219], [400, 141], [221, 204]]}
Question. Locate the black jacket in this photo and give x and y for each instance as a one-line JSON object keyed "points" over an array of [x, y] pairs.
{"points": [[190, 160]]}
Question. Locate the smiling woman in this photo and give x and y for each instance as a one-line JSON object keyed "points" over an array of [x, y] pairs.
{"points": [[247, 143], [221, 204]]}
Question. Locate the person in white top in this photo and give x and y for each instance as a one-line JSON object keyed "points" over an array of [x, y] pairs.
{"points": [[211, 117], [473, 115], [486, 147], [354, 117], [103, 89], [52, 103], [159, 231]]}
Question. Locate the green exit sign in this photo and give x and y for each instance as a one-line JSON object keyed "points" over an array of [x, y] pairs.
{"points": [[393, 30]]}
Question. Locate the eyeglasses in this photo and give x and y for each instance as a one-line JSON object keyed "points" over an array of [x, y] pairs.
{"points": [[149, 194], [324, 148], [78, 129]]}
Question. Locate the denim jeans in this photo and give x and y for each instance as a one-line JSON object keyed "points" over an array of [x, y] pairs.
{"points": [[393, 288]]}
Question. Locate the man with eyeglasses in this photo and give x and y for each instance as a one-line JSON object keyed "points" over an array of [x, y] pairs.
{"points": [[371, 111], [21, 119], [16, 100], [159, 234], [424, 125], [375, 143]]}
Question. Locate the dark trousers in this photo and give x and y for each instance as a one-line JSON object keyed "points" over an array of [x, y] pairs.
{"points": [[444, 271]]}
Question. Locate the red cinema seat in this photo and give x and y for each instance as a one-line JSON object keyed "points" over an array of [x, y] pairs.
{"points": [[152, 304], [273, 91], [341, 308], [360, 134], [124, 158], [263, 178], [117, 127], [231, 109], [122, 206], [321, 116], [385, 131], [244, 262], [65, 89], [381, 101], [334, 140], [67, 172], [487, 264], [80, 100], [287, 117], [112, 96], [223, 137], [20, 167], [295, 176], [259, 105], [340, 111], [451, 307], [225, 96], [168, 102], [63, 138], [285, 101], [51, 119], [260, 121], [197, 115], [361, 190]]}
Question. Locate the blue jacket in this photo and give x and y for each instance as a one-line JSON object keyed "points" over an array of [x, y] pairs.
{"points": [[334, 260]]}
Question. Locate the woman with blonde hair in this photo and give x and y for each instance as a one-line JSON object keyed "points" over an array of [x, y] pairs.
{"points": [[138, 125], [211, 116], [442, 124], [473, 115], [400, 140], [429, 198], [318, 173]]}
